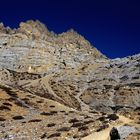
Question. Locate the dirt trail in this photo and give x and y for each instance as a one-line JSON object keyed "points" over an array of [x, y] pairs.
{"points": [[84, 106], [104, 135]]}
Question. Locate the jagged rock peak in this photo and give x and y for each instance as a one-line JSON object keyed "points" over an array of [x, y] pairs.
{"points": [[34, 29], [4, 29], [71, 34], [31, 24], [1, 25], [71, 31], [73, 37]]}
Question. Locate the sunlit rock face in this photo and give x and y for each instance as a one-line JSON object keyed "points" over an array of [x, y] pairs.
{"points": [[66, 70], [32, 45]]}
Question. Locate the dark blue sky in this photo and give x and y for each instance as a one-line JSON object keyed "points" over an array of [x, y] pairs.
{"points": [[112, 26]]}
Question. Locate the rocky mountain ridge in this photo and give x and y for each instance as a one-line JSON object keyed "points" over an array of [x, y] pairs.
{"points": [[32, 42]]}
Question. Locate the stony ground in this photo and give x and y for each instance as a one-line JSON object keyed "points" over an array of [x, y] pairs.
{"points": [[27, 116]]}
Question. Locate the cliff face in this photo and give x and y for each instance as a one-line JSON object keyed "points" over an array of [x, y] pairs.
{"points": [[65, 69], [33, 48]]}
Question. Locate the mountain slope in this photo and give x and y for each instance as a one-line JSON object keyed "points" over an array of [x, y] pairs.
{"points": [[64, 70]]}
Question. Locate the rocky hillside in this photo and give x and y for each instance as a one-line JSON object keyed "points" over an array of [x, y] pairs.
{"points": [[33, 48], [60, 77]]}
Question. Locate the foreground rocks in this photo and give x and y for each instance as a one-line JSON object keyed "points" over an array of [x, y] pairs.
{"points": [[58, 86]]}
